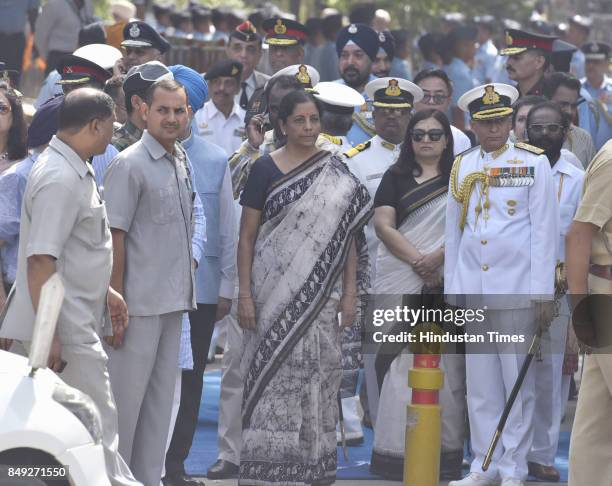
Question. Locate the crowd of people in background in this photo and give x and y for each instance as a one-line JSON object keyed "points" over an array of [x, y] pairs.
{"points": [[261, 201]]}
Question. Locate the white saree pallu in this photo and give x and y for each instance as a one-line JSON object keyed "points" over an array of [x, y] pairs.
{"points": [[421, 219], [292, 363]]}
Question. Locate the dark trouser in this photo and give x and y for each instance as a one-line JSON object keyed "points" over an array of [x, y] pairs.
{"points": [[12, 47], [53, 59], [202, 323]]}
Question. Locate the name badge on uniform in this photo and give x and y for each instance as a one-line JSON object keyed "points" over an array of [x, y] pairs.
{"points": [[511, 176]]}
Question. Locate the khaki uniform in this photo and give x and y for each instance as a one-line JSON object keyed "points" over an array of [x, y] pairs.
{"points": [[63, 216], [590, 455], [149, 196]]}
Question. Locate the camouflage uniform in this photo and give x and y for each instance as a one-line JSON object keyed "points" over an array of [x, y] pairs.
{"points": [[126, 135]]}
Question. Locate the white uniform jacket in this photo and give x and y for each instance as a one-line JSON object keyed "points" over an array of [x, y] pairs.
{"points": [[508, 244]]}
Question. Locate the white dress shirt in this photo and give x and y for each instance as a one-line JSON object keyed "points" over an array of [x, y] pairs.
{"points": [[227, 133], [568, 181], [250, 88], [505, 249]]}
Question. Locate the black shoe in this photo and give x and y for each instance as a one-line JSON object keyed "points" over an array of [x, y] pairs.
{"points": [[450, 465], [181, 480], [222, 470]]}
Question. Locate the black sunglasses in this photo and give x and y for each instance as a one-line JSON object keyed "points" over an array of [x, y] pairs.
{"points": [[434, 135]]}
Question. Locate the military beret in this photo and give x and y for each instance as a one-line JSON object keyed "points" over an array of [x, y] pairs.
{"points": [[361, 35], [246, 32], [224, 69], [141, 34]]}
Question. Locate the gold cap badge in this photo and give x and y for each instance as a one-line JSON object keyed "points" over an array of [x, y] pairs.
{"points": [[302, 75], [509, 39], [490, 97], [234, 70], [393, 89], [280, 28]]}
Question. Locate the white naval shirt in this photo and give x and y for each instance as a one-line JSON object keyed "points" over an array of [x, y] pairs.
{"points": [[568, 181], [510, 252], [228, 133], [461, 141], [369, 166]]}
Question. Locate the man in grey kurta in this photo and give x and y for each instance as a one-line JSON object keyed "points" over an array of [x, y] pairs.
{"points": [[149, 196], [64, 229]]}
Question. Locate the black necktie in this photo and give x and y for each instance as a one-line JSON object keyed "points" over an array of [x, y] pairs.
{"points": [[244, 99]]}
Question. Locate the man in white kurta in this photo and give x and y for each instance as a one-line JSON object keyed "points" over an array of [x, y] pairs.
{"points": [[501, 238], [547, 127]]}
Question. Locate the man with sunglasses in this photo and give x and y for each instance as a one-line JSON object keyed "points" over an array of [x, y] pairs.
{"points": [[142, 44], [437, 93], [501, 223], [564, 89], [547, 128]]}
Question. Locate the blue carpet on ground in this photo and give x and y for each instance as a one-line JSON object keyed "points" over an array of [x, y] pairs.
{"points": [[204, 449]]}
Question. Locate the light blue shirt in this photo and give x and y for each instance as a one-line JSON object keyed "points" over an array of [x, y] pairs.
{"points": [[12, 187], [461, 76], [356, 134], [602, 97], [577, 64], [49, 89], [399, 69], [485, 59], [216, 272], [102, 161]]}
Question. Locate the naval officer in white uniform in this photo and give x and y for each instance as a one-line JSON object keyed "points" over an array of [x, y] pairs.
{"points": [[502, 230], [392, 105], [338, 103]]}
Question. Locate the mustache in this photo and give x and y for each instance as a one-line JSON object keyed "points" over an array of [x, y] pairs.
{"points": [[351, 69]]}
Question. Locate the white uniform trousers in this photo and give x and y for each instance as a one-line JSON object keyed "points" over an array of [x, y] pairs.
{"points": [[590, 454], [86, 370], [143, 376], [230, 403], [550, 402], [490, 378]]}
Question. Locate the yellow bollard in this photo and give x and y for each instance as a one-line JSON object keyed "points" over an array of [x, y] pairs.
{"points": [[424, 420]]}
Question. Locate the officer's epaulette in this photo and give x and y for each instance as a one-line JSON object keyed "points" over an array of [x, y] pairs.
{"points": [[357, 149], [529, 148]]}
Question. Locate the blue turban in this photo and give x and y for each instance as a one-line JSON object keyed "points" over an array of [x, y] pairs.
{"points": [[44, 123], [197, 88], [365, 37]]}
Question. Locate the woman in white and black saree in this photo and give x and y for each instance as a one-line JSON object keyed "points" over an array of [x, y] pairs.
{"points": [[410, 211], [302, 258]]}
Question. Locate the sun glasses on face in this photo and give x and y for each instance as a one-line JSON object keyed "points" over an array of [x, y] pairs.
{"points": [[553, 128], [434, 135]]}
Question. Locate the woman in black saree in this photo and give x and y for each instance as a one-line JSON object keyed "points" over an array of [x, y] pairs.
{"points": [[302, 259], [410, 209]]}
